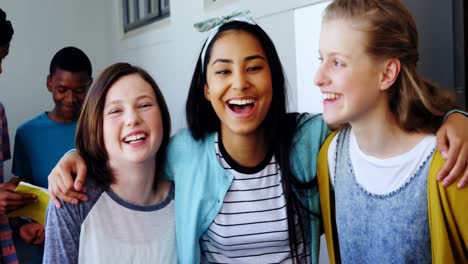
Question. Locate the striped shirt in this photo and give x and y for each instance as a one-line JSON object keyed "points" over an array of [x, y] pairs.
{"points": [[4, 141], [8, 251], [252, 225]]}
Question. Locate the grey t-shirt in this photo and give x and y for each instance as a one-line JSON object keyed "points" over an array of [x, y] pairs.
{"points": [[107, 229]]}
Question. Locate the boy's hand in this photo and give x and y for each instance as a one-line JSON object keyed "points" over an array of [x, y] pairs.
{"points": [[9, 200], [32, 233]]}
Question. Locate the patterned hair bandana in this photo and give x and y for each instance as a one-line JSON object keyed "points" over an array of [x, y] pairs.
{"points": [[213, 25]]}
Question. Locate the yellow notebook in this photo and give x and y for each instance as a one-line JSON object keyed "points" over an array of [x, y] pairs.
{"points": [[35, 211]]}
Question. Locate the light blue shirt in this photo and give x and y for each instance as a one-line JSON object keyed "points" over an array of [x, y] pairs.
{"points": [[201, 183], [39, 144]]}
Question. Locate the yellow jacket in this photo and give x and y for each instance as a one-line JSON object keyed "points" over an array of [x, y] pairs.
{"points": [[448, 213]]}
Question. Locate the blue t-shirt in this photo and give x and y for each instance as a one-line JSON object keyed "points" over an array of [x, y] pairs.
{"points": [[39, 144]]}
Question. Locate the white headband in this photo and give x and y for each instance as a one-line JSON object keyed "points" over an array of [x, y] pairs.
{"points": [[213, 24]]}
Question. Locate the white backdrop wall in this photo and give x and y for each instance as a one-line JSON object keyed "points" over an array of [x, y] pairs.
{"points": [[41, 29], [307, 27]]}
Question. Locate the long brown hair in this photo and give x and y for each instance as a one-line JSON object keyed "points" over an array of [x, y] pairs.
{"points": [[417, 104], [89, 133]]}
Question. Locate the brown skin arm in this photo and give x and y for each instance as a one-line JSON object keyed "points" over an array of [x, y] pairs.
{"points": [[9, 200], [32, 233]]}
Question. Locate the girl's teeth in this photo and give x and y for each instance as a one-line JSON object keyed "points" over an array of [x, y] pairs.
{"points": [[241, 102], [330, 96], [134, 137]]}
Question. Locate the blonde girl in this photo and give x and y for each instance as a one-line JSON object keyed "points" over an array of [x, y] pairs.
{"points": [[381, 202]]}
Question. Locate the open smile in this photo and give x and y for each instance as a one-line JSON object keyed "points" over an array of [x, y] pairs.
{"points": [[329, 97], [242, 107], [135, 138]]}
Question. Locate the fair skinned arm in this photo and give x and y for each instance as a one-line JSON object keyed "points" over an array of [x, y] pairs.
{"points": [[452, 142]]}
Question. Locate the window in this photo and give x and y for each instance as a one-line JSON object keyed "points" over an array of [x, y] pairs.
{"points": [[138, 13]]}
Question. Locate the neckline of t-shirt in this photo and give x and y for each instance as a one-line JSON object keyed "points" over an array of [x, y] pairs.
{"points": [[239, 168], [425, 143], [46, 116], [144, 208]]}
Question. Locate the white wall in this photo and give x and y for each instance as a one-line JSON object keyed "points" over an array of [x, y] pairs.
{"points": [[41, 29], [307, 27]]}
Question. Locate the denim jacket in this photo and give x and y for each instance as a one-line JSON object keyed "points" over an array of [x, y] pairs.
{"points": [[448, 216]]}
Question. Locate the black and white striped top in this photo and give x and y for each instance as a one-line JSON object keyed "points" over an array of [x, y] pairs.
{"points": [[252, 225]]}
